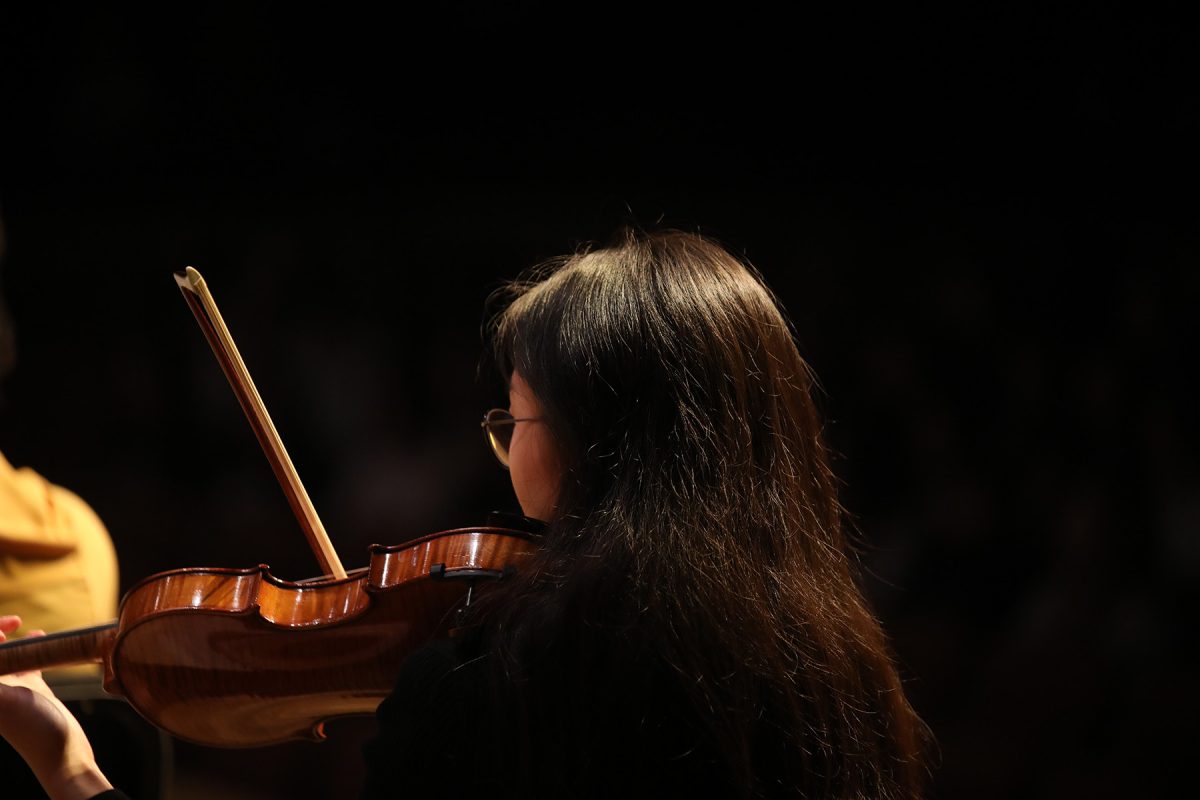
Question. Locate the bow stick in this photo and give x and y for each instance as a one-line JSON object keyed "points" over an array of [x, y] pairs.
{"points": [[200, 300]]}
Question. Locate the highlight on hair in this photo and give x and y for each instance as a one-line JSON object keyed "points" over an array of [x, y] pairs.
{"points": [[698, 517]]}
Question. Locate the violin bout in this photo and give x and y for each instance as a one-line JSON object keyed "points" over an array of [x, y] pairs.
{"points": [[240, 658]]}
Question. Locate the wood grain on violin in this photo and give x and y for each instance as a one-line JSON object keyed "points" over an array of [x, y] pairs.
{"points": [[240, 658]]}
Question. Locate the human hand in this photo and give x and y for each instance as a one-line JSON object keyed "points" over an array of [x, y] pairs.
{"points": [[45, 733]]}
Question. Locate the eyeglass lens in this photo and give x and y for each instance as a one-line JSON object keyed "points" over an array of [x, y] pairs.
{"points": [[500, 433]]}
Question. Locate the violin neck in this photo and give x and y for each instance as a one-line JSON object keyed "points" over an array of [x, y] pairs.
{"points": [[81, 646]]}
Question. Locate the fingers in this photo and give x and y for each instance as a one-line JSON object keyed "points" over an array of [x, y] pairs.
{"points": [[10, 623]]}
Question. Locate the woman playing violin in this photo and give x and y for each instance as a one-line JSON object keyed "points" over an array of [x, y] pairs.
{"points": [[690, 624]]}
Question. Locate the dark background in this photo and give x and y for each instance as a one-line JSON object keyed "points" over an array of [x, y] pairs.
{"points": [[983, 225]]}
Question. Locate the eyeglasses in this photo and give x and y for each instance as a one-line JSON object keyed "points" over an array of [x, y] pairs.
{"points": [[498, 428]]}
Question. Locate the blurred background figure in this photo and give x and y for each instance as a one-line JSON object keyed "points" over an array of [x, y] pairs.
{"points": [[58, 571]]}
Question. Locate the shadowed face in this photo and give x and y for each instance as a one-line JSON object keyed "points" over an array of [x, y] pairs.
{"points": [[533, 460]]}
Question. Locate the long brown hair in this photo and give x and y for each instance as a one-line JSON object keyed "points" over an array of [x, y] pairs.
{"points": [[698, 516]]}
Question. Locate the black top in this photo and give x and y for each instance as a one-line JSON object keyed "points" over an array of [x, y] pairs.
{"points": [[451, 728], [448, 731]]}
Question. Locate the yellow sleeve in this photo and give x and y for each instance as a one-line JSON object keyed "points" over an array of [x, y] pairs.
{"points": [[65, 576]]}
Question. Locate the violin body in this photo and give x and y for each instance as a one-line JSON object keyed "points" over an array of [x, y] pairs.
{"points": [[240, 658]]}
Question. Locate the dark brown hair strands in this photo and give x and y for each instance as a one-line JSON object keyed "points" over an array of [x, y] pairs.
{"points": [[698, 518]]}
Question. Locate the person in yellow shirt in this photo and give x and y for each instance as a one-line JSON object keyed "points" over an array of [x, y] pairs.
{"points": [[58, 568], [58, 571]]}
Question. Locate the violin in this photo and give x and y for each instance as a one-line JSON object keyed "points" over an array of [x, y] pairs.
{"points": [[240, 658]]}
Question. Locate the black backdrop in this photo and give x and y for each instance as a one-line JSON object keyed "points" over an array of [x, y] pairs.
{"points": [[982, 225]]}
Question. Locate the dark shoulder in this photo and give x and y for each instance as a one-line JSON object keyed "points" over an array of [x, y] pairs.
{"points": [[430, 665], [425, 726], [601, 725], [444, 671]]}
